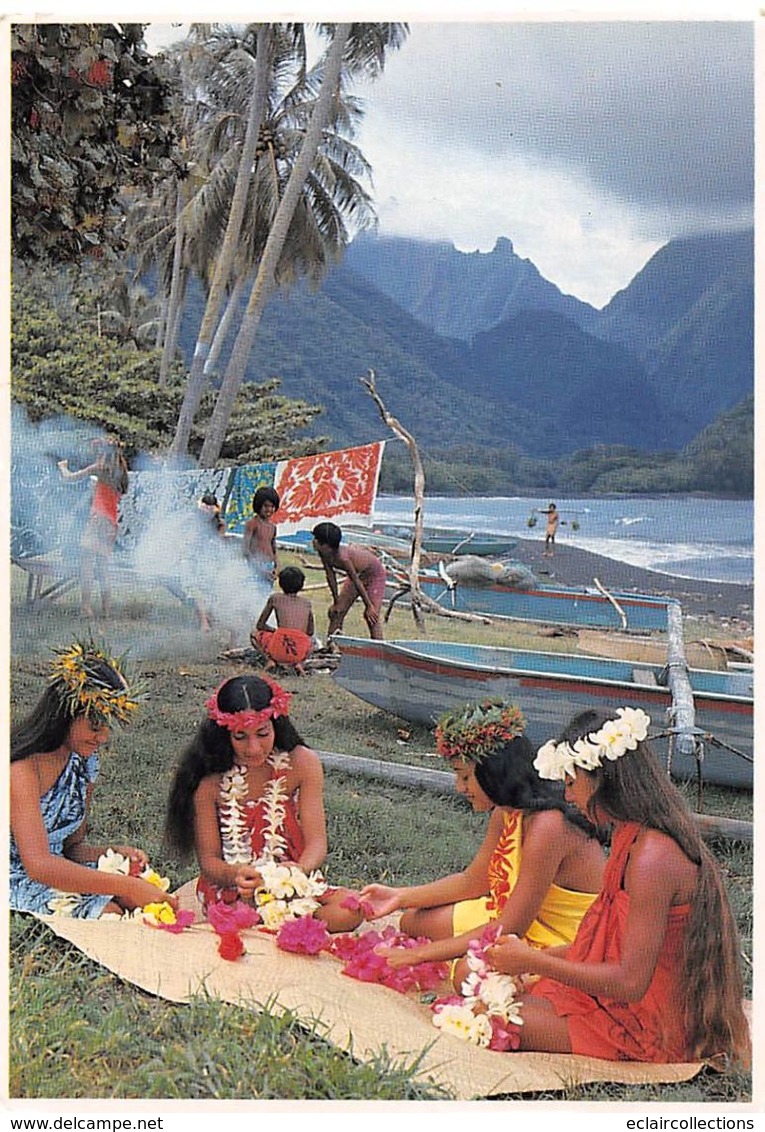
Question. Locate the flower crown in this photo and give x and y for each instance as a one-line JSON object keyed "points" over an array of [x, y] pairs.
{"points": [[615, 738], [476, 730], [82, 691], [241, 720]]}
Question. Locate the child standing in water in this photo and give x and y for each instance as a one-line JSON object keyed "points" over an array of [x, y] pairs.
{"points": [[259, 540], [292, 640], [365, 578], [248, 791]]}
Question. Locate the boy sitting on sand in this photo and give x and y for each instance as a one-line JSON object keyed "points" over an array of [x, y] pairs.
{"points": [[291, 642]]}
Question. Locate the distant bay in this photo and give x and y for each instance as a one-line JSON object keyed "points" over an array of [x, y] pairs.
{"points": [[680, 535]]}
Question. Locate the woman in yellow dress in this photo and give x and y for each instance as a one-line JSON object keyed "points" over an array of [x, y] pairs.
{"points": [[538, 869]]}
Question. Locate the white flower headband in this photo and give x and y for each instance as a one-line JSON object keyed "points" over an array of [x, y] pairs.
{"points": [[615, 738]]}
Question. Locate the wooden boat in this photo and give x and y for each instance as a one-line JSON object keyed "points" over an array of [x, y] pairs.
{"points": [[459, 543], [648, 649], [419, 680], [552, 605], [302, 542]]}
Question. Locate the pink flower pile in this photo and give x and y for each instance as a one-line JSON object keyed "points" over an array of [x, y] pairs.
{"points": [[363, 963], [183, 920], [305, 935]]}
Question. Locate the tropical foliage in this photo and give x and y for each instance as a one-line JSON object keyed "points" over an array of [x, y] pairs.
{"points": [[65, 363], [90, 117]]}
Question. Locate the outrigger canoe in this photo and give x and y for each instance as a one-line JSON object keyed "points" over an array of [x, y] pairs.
{"points": [[419, 680]]}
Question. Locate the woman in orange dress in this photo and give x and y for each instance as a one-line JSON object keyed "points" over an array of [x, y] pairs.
{"points": [[653, 974]]}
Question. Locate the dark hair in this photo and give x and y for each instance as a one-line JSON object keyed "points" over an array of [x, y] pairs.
{"points": [[211, 752], [291, 579], [210, 499], [636, 788], [264, 495], [507, 776], [113, 470], [45, 728], [327, 534]]}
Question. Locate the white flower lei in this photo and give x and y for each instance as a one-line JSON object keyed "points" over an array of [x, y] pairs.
{"points": [[235, 835], [615, 738], [486, 993]]}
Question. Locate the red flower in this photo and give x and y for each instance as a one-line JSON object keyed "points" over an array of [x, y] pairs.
{"points": [[230, 946], [504, 1035], [100, 73]]}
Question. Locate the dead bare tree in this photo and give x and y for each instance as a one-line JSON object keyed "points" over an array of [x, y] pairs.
{"points": [[419, 601]]}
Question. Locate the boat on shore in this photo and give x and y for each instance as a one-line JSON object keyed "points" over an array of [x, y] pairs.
{"points": [[418, 680]]}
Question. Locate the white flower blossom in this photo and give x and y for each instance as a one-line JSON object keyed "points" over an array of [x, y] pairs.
{"points": [[64, 903], [461, 1022], [112, 862]]}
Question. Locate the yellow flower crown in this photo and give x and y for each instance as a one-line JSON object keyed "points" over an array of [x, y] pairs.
{"points": [[82, 691], [474, 731]]}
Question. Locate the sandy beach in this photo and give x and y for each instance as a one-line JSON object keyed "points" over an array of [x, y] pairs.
{"points": [[572, 566]]}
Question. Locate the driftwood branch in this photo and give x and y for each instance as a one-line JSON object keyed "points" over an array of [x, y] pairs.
{"points": [[418, 600]]}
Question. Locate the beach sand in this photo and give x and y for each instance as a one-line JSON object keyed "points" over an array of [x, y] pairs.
{"points": [[719, 602]]}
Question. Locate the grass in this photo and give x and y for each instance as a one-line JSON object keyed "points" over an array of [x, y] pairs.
{"points": [[77, 1031]]}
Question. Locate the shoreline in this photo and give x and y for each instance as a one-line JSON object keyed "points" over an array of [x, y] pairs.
{"points": [[571, 566]]}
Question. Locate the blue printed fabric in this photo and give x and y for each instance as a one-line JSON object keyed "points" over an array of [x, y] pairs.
{"points": [[63, 811], [247, 480]]}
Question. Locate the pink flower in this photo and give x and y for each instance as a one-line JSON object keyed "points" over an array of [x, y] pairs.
{"points": [[354, 904], [362, 961], [225, 918], [504, 1035], [304, 935]]}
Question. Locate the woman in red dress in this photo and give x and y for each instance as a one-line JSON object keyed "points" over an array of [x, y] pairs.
{"points": [[654, 971], [110, 473]]}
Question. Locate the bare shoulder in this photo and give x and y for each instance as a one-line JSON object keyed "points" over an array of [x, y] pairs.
{"points": [[656, 858], [305, 760], [208, 788], [548, 825], [23, 775]]}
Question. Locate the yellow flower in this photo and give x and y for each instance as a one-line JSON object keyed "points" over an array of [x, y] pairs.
{"points": [[154, 878], [160, 913]]}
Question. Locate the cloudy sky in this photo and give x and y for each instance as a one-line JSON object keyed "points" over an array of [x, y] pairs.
{"points": [[589, 143]]}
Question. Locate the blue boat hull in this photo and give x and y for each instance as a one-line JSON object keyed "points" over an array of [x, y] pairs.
{"points": [[419, 680], [552, 605]]}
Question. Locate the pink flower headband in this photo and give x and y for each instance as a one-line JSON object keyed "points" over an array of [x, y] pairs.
{"points": [[241, 720]]}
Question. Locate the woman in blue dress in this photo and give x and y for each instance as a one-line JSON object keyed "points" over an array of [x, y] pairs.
{"points": [[54, 764]]}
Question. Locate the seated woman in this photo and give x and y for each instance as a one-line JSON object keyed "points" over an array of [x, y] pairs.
{"points": [[540, 864], [654, 972], [54, 764], [247, 791]]}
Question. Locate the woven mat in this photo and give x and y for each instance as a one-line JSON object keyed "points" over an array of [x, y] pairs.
{"points": [[359, 1018]]}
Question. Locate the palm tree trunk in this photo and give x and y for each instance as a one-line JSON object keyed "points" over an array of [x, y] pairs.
{"points": [[264, 280], [232, 306], [172, 323], [225, 261]]}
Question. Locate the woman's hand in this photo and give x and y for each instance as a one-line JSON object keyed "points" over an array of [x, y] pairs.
{"points": [[130, 851], [399, 956], [138, 893], [511, 956], [371, 616], [247, 880], [379, 900]]}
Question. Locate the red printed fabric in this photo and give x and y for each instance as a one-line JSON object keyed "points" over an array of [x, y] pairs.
{"points": [[502, 871], [254, 813], [340, 486], [285, 646], [651, 1029]]}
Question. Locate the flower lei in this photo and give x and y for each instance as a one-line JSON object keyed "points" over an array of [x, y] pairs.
{"points": [[474, 731], [278, 705], [235, 834], [81, 690], [158, 914], [487, 1013], [614, 739]]}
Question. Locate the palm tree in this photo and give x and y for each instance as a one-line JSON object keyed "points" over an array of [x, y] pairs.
{"points": [[352, 48]]}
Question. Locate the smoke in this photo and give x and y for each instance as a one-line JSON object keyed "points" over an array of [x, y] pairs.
{"points": [[165, 543]]}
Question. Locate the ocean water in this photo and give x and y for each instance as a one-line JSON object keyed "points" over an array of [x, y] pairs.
{"points": [[685, 536]]}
